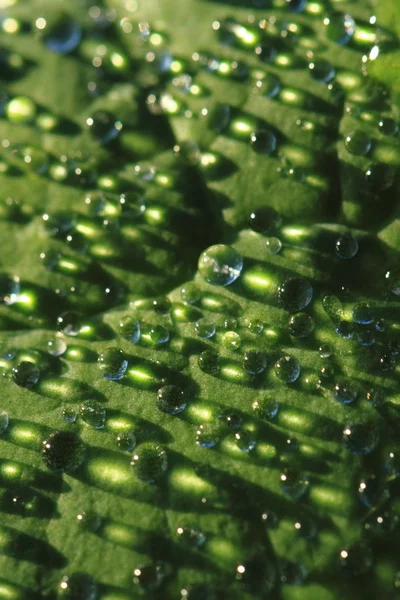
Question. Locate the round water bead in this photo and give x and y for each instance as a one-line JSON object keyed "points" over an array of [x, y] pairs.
{"points": [[393, 280], [294, 483], [361, 438], [379, 177], [306, 527], [267, 408], [273, 245], [269, 86], [322, 70], [230, 323], [63, 35], [376, 397], [345, 392], [332, 306], [204, 328], [264, 220], [232, 419], [126, 441], [25, 374], [366, 337], [292, 572], [63, 451], [270, 519], [191, 537], [388, 126], [190, 293], [149, 578], [325, 351], [103, 126], [381, 522], [89, 521], [266, 52], [159, 334], [220, 265], [287, 369], [70, 323], [263, 141], [209, 362], [346, 246], [171, 399], [69, 414], [255, 326], [392, 465], [295, 294], [4, 420], [356, 559], [231, 340], [161, 306], [300, 325], [93, 413], [56, 346], [129, 328], [207, 435], [339, 27], [373, 491], [78, 586], [112, 364], [255, 362], [245, 440], [150, 462], [345, 329], [358, 143], [363, 314]]}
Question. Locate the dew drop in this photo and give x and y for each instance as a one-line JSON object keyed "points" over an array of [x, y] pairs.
{"points": [[266, 409], [56, 346], [9, 289], [292, 573], [231, 340], [325, 351], [345, 329], [63, 451], [322, 70], [209, 362], [78, 586], [171, 400], [159, 334], [204, 328], [63, 36], [356, 559], [287, 369], [263, 141], [361, 438], [25, 374], [93, 413], [129, 328], [379, 177], [295, 294], [190, 293], [126, 441], [231, 419], [358, 143], [103, 126], [345, 392], [149, 578], [273, 245], [339, 28], [388, 126], [149, 462], [69, 414], [381, 522], [70, 323], [220, 265], [300, 325], [393, 280], [373, 491], [112, 364], [294, 483], [190, 537], [245, 440], [270, 519], [207, 435], [305, 527], [264, 220], [255, 362]]}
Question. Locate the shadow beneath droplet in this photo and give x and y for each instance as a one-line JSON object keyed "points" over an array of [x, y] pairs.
{"points": [[26, 547]]}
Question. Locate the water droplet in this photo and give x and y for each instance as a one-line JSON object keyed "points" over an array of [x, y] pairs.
{"points": [[112, 364], [388, 126], [346, 246], [3, 420], [207, 435], [264, 220], [332, 306], [231, 419], [190, 293], [126, 441], [373, 491], [9, 289], [322, 70], [358, 143], [89, 521], [245, 440], [273, 245], [325, 351], [171, 399], [356, 559], [267, 408], [294, 483], [392, 465], [69, 414], [363, 314], [381, 522], [255, 362], [256, 576], [339, 27], [193, 538], [263, 141], [379, 177], [255, 326], [204, 328], [345, 329], [231, 340], [20, 110], [201, 591], [93, 413], [376, 397], [305, 527], [269, 86], [295, 294], [292, 573], [296, 6], [287, 369], [270, 519], [62, 36], [361, 438], [129, 328], [161, 306], [63, 451], [209, 362], [393, 280], [25, 374], [300, 325], [70, 323], [78, 586], [220, 265], [56, 346], [103, 126], [149, 462], [345, 392], [159, 334]]}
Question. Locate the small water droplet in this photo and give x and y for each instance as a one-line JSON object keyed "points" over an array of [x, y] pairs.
{"points": [[159, 334], [204, 328], [305, 527], [300, 325], [112, 364], [70, 323], [270, 519], [345, 329], [171, 399], [322, 70], [93, 413], [245, 440], [129, 328], [207, 435], [339, 27], [266, 408], [295, 294], [149, 462], [273, 245], [358, 143], [25, 374], [388, 126], [220, 265], [373, 491], [62, 36], [78, 586], [393, 280], [287, 369], [345, 392], [325, 351], [255, 362], [346, 246], [190, 293], [4, 420], [69, 414], [263, 141], [56, 346], [191, 537], [294, 483], [209, 362], [231, 340], [361, 438], [356, 559], [126, 441], [103, 126]]}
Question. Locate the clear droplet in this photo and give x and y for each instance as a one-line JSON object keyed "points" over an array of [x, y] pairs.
{"points": [[112, 364], [356, 559], [245, 440], [190, 293], [325, 351], [346, 392], [93, 413], [207, 435], [266, 408], [4, 420], [78, 586], [263, 141], [264, 220], [361, 438], [273, 245], [129, 328], [295, 294], [171, 399], [159, 334], [126, 441], [209, 362], [287, 369], [63, 451], [56, 346], [25, 374], [255, 362], [373, 491], [301, 325], [231, 340], [149, 462], [294, 483], [62, 36], [358, 143], [220, 265], [69, 414], [204, 328], [191, 537], [149, 578], [70, 323]]}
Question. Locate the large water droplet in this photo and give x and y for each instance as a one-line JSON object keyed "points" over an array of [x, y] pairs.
{"points": [[209, 362], [263, 141], [113, 364], [126, 441], [171, 399], [300, 325], [358, 143], [25, 374], [93, 413], [295, 294], [255, 362], [62, 36], [361, 438], [207, 435], [264, 220], [346, 246], [149, 462], [149, 578], [346, 392], [220, 265], [373, 491], [339, 27], [204, 328], [63, 451], [70, 323]]}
